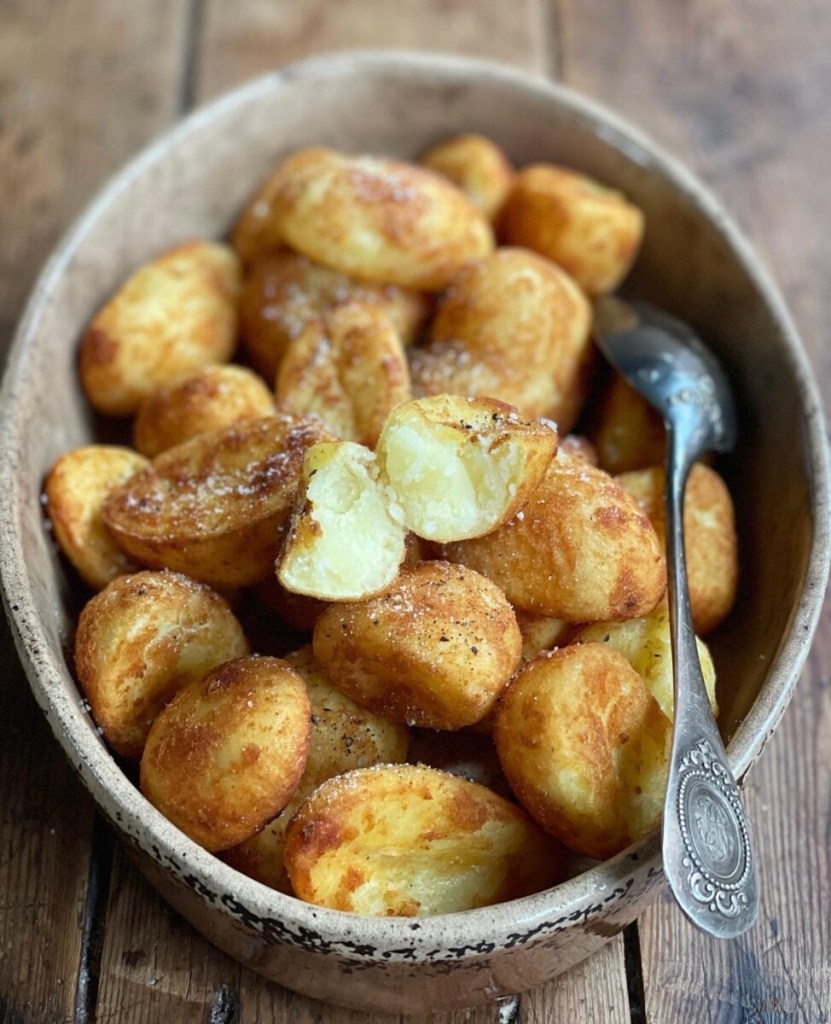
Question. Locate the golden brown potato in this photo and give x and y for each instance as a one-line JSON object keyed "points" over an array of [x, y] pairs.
{"points": [[710, 540], [581, 549], [213, 506], [592, 232], [344, 736], [584, 746], [285, 291], [141, 640], [578, 444], [342, 543], [461, 466], [405, 840], [645, 644], [477, 166], [299, 611], [378, 219], [348, 368], [256, 233], [171, 317], [541, 633], [75, 490], [211, 399], [229, 751], [435, 649], [629, 433], [514, 327]]}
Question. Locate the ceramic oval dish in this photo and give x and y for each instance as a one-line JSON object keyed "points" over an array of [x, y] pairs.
{"points": [[694, 262]]}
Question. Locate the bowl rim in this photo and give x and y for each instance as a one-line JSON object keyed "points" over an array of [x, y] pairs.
{"points": [[351, 934]]}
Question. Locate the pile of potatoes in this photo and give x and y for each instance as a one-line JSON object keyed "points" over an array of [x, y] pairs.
{"points": [[379, 610]]}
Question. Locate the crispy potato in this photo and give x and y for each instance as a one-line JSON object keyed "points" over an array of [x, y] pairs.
{"points": [[379, 219], [285, 291], [213, 506], [541, 633], [349, 369], [515, 327], [256, 233], [228, 752], [407, 840], [578, 444], [344, 736], [173, 316], [585, 747], [459, 466], [581, 549], [141, 640], [645, 643], [477, 166], [629, 433], [342, 543], [592, 232], [75, 490], [213, 398], [299, 611], [435, 649], [710, 540]]}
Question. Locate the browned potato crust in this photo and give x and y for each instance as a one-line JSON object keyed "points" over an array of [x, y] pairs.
{"points": [[213, 506], [211, 399], [477, 166], [285, 291], [407, 840], [435, 650], [592, 232], [581, 549], [229, 751], [174, 315], [541, 633], [710, 540], [629, 433], [584, 746], [256, 233], [75, 490], [460, 467], [344, 736], [515, 327], [578, 444], [349, 369], [379, 219], [141, 640]]}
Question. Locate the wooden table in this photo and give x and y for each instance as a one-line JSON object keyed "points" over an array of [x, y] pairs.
{"points": [[740, 90]]}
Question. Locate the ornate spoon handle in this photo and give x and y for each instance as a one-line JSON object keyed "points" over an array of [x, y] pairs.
{"points": [[707, 851]]}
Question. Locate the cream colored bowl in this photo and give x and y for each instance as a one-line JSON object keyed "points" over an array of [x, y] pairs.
{"points": [[694, 262]]}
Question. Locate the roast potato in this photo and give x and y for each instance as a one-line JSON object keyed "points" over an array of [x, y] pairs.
{"points": [[171, 317], [584, 746], [580, 550], [435, 649], [140, 641], [469, 753], [541, 633], [212, 507], [229, 751], [349, 369], [342, 543], [460, 466], [628, 433], [477, 166], [591, 231], [515, 327], [75, 490], [405, 840]]}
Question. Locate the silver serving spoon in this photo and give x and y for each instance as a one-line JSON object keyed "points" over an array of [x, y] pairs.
{"points": [[708, 858]]}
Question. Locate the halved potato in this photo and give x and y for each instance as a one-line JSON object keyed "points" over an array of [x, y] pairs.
{"points": [[591, 231], [171, 317], [349, 369], [213, 506], [514, 327], [342, 543], [229, 751], [378, 219], [405, 840], [477, 166], [581, 549], [140, 641], [213, 398], [585, 746], [629, 433], [459, 466], [75, 490], [435, 649]]}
